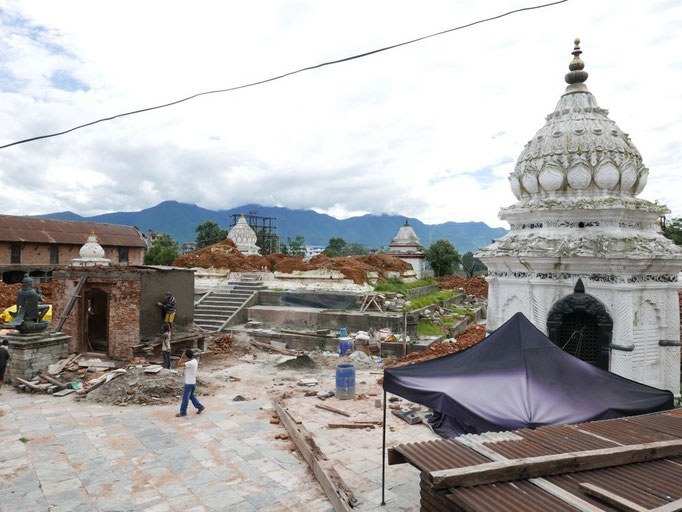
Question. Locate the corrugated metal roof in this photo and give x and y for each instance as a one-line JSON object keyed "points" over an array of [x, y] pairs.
{"points": [[648, 484], [48, 231]]}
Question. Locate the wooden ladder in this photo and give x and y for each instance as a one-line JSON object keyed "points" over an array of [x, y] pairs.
{"points": [[69, 306]]}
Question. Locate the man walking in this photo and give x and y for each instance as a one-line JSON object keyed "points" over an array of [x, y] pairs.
{"points": [[191, 366], [4, 357]]}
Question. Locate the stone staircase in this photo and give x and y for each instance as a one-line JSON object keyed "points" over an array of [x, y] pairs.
{"points": [[216, 308]]}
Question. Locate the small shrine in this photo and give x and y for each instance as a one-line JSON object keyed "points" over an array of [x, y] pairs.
{"points": [[406, 246], [91, 254], [244, 237], [585, 259]]}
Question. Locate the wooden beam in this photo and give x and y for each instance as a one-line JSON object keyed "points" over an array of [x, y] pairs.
{"points": [[332, 409], [338, 493], [612, 499], [351, 425], [28, 384], [557, 464], [53, 380], [267, 346], [673, 506]]}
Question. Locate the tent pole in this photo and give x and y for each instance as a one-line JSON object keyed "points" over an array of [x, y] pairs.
{"points": [[383, 456]]}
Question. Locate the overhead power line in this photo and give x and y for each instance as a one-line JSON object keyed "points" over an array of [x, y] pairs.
{"points": [[284, 75]]}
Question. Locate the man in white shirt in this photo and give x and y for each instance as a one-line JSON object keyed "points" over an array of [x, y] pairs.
{"points": [[191, 366]]}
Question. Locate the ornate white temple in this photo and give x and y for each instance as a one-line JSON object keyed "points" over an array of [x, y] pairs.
{"points": [[406, 246], [584, 259], [244, 237]]}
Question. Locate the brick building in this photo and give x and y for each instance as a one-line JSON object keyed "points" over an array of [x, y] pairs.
{"points": [[39, 246], [117, 306]]}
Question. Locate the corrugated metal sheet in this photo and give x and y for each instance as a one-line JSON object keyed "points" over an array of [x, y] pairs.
{"points": [[441, 454], [48, 231], [649, 484]]}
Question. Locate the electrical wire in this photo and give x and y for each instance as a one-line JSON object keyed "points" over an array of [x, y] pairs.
{"points": [[284, 75]]}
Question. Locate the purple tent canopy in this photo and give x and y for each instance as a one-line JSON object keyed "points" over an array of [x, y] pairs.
{"points": [[517, 378]]}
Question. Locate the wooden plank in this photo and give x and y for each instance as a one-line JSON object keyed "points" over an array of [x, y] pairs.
{"points": [[567, 497], [673, 506], [266, 346], [332, 409], [338, 493], [612, 499], [28, 384], [556, 464], [351, 425], [56, 382]]}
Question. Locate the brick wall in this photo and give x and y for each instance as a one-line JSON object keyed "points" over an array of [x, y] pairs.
{"points": [[123, 323], [39, 254]]}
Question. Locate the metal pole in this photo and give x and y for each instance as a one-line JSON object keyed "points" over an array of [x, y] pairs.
{"points": [[404, 332], [383, 457]]}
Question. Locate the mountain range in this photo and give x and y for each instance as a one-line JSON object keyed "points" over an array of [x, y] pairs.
{"points": [[180, 220]]}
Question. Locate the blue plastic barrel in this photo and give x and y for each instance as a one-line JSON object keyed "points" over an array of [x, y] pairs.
{"points": [[342, 332], [346, 345], [345, 381]]}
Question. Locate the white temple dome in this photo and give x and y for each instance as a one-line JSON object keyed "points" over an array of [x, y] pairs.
{"points": [[244, 237], [91, 248], [579, 152], [91, 254]]}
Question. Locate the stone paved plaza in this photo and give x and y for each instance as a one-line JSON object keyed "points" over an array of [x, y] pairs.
{"points": [[60, 454]]}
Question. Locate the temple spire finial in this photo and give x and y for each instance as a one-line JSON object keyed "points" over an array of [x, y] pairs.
{"points": [[576, 77]]}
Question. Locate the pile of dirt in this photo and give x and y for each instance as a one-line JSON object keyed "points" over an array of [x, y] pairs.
{"points": [[137, 387], [302, 362], [8, 293], [470, 337], [226, 255], [476, 286]]}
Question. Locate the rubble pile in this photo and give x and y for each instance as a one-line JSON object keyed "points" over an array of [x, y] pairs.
{"points": [[226, 255], [476, 286], [136, 386], [470, 337], [8, 294]]}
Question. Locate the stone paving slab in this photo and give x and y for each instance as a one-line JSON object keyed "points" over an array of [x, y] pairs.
{"points": [[82, 456]]}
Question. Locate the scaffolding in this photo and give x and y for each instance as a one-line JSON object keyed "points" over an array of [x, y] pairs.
{"points": [[266, 231]]}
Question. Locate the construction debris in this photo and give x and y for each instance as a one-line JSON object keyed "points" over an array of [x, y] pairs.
{"points": [[476, 286]]}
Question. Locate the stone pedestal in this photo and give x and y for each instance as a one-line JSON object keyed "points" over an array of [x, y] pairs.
{"points": [[30, 353]]}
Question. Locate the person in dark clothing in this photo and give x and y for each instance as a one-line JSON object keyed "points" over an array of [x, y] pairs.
{"points": [[4, 357], [168, 305], [166, 346]]}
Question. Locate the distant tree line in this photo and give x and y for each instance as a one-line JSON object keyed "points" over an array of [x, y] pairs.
{"points": [[445, 260]]}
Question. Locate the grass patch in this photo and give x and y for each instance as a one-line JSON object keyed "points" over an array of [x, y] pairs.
{"points": [[428, 328], [398, 286], [433, 298]]}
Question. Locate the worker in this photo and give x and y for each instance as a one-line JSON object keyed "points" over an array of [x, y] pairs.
{"points": [[166, 346], [4, 358], [168, 305]]}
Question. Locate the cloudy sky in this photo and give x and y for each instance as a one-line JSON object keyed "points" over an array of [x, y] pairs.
{"points": [[430, 130]]}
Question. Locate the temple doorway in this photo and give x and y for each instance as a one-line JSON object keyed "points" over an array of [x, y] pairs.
{"points": [[580, 325], [96, 321]]}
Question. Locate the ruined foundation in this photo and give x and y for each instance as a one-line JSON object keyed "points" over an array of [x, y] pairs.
{"points": [[31, 353]]}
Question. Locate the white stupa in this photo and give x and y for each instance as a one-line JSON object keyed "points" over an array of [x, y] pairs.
{"points": [[585, 259], [91, 254], [407, 247], [244, 237]]}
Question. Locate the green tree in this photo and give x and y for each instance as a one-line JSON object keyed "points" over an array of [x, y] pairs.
{"points": [[442, 256], [209, 233], [162, 252], [335, 247], [472, 265], [673, 230], [296, 246], [268, 242], [354, 249]]}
